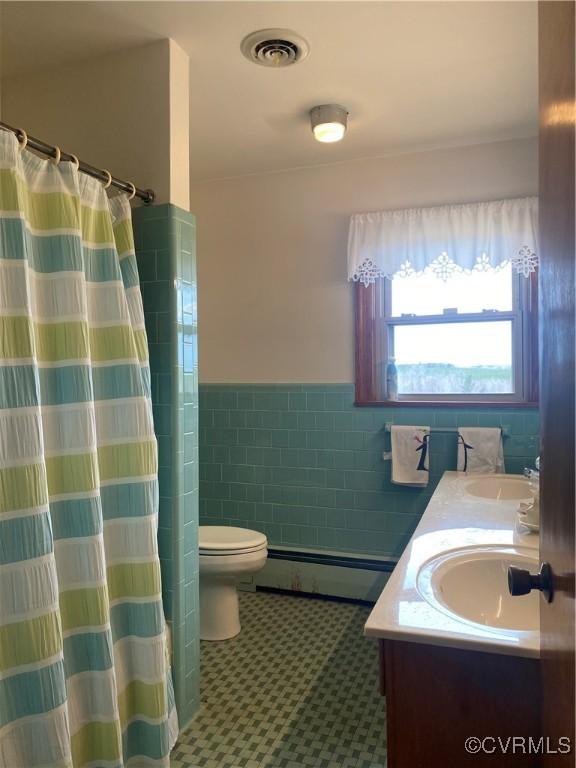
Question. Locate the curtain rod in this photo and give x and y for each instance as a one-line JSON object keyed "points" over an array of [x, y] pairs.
{"points": [[147, 195]]}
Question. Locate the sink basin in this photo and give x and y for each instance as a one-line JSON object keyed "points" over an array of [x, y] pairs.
{"points": [[500, 487], [472, 585]]}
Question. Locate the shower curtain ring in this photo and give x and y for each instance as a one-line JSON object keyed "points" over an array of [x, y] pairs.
{"points": [[57, 155], [108, 178], [133, 193], [22, 137], [74, 160]]}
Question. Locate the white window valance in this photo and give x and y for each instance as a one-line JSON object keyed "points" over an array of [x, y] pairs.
{"points": [[444, 240]]}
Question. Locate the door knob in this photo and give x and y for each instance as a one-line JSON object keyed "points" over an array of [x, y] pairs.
{"points": [[521, 581]]}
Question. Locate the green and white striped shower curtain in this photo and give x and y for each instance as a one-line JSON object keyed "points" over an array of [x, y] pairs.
{"points": [[84, 670]]}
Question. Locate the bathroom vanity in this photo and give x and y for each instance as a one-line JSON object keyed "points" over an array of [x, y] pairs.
{"points": [[459, 655]]}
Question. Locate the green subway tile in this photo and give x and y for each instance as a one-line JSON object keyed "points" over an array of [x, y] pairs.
{"points": [[164, 327], [254, 419], [288, 475], [165, 450], [211, 472], [271, 419], [330, 459], [221, 419], [324, 421], [315, 401], [160, 357], [326, 459], [245, 511], [297, 439], [335, 479], [273, 531], [307, 496], [221, 454], [162, 419], [336, 518], [165, 543], [165, 482], [262, 437], [326, 497], [272, 457], [238, 491], [290, 534], [297, 401], [273, 493], [255, 455], [229, 508], [237, 455], [531, 424], [157, 296], [317, 517], [237, 418], [254, 492], [319, 440], [343, 459], [445, 418], [354, 440], [263, 512], [309, 536], [363, 420], [336, 401], [288, 420], [272, 401], [146, 266], [245, 401], [306, 421], [281, 438], [343, 421], [286, 514], [246, 437], [213, 401]]}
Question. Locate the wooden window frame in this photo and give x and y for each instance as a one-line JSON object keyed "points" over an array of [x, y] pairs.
{"points": [[371, 330]]}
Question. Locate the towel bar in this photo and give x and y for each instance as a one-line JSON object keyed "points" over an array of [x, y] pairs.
{"points": [[448, 430]]}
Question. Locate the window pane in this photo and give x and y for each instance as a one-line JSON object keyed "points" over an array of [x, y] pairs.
{"points": [[427, 295], [454, 358]]}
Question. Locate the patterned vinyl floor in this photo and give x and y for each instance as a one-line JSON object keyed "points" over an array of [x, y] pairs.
{"points": [[298, 688]]}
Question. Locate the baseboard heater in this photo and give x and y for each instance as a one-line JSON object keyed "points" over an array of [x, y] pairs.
{"points": [[322, 572], [329, 558]]}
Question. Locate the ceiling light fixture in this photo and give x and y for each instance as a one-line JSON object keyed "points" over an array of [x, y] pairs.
{"points": [[328, 122]]}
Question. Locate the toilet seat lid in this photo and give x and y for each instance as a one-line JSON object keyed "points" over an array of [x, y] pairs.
{"points": [[225, 538]]}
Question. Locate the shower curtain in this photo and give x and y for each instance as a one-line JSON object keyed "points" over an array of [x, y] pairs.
{"points": [[84, 668]]}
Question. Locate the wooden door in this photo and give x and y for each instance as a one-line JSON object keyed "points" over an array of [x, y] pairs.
{"points": [[557, 259]]}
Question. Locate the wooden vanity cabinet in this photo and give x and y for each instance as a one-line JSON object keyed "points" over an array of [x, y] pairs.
{"points": [[437, 697]]}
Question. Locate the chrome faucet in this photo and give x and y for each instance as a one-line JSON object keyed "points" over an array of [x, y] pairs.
{"points": [[533, 474]]}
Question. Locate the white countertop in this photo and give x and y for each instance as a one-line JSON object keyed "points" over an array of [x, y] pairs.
{"points": [[453, 520]]}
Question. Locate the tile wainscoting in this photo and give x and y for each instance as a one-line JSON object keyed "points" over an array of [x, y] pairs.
{"points": [[300, 463]]}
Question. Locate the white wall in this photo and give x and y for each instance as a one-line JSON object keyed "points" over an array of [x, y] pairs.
{"points": [[122, 111], [273, 302]]}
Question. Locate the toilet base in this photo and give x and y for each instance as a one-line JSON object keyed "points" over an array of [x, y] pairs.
{"points": [[219, 577], [219, 610]]}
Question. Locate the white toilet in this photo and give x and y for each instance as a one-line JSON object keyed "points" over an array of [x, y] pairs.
{"points": [[226, 554]]}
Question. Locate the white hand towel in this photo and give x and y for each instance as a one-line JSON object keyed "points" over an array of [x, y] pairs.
{"points": [[410, 455], [480, 450]]}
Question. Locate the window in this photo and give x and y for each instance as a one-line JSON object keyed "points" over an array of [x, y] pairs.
{"points": [[471, 338]]}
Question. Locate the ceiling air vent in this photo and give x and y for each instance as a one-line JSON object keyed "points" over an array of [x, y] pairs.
{"points": [[274, 47]]}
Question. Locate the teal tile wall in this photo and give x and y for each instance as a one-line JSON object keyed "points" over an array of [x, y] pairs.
{"points": [[303, 465], [165, 249]]}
